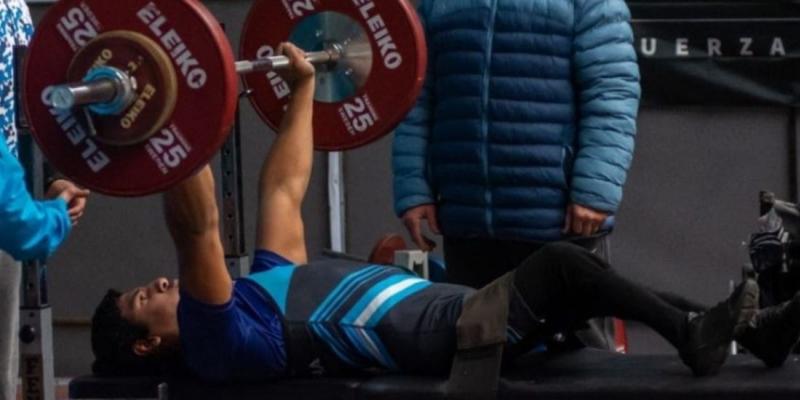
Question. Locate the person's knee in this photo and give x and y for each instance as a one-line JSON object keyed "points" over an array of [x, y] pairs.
{"points": [[545, 264], [569, 256], [560, 252]]}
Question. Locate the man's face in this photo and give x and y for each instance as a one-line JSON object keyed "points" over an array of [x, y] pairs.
{"points": [[153, 306]]}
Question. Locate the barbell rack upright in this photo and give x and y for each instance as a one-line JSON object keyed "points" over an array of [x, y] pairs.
{"points": [[37, 366]]}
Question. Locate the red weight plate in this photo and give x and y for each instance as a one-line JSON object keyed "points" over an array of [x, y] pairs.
{"points": [[399, 60], [203, 115], [383, 252]]}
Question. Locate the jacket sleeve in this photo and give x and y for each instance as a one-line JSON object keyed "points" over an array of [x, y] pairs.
{"points": [[29, 229], [410, 147], [607, 79]]}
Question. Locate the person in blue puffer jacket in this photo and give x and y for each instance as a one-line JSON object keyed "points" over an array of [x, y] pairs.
{"points": [[524, 131], [34, 229], [29, 229]]}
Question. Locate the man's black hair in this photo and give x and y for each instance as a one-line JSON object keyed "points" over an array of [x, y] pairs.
{"points": [[112, 343]]}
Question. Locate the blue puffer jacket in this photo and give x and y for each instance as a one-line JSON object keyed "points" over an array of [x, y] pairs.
{"points": [[29, 229], [528, 105]]}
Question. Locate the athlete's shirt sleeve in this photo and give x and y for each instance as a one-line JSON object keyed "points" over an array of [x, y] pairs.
{"points": [[265, 260], [239, 341], [209, 337]]}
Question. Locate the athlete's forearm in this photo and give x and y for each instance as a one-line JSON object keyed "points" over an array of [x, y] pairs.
{"points": [[191, 212], [287, 168], [290, 160], [190, 207]]}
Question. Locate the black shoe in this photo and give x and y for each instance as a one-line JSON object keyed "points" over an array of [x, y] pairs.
{"points": [[710, 333], [773, 332]]}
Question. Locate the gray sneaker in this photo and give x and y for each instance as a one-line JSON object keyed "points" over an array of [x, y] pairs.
{"points": [[711, 332]]}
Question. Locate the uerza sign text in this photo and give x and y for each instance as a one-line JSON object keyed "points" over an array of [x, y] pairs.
{"points": [[701, 38]]}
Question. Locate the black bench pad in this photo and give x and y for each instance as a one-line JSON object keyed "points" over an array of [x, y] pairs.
{"points": [[584, 374]]}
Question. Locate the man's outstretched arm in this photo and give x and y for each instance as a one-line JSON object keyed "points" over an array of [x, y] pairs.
{"points": [[287, 169], [191, 213]]}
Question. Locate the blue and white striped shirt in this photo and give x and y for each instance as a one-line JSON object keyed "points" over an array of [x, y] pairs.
{"points": [[244, 339]]}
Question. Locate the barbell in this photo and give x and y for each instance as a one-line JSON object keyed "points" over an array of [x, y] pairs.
{"points": [[130, 97], [111, 91]]}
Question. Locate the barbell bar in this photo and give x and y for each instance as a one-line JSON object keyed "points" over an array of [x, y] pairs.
{"points": [[115, 89]]}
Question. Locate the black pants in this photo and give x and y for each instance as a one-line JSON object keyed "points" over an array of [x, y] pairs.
{"points": [[476, 262], [557, 288], [564, 285]]}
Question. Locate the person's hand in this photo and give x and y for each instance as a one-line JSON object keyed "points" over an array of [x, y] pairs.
{"points": [[583, 221], [300, 70], [74, 196], [413, 222]]}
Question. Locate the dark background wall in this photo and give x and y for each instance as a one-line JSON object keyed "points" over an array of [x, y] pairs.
{"points": [[691, 201]]}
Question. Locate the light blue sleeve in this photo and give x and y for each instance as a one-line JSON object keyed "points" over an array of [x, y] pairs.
{"points": [[410, 147], [607, 78], [29, 229]]}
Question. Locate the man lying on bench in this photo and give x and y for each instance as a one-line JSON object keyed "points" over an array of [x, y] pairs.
{"points": [[286, 319]]}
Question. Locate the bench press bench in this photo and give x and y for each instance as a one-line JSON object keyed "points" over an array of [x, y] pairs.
{"points": [[583, 374]]}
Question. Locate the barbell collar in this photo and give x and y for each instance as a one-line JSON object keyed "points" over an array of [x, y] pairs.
{"points": [[65, 97], [106, 90]]}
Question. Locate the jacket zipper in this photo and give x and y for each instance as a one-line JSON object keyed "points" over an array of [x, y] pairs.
{"points": [[486, 84]]}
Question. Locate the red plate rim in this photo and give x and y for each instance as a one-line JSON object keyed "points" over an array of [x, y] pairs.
{"points": [[405, 104], [227, 113]]}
